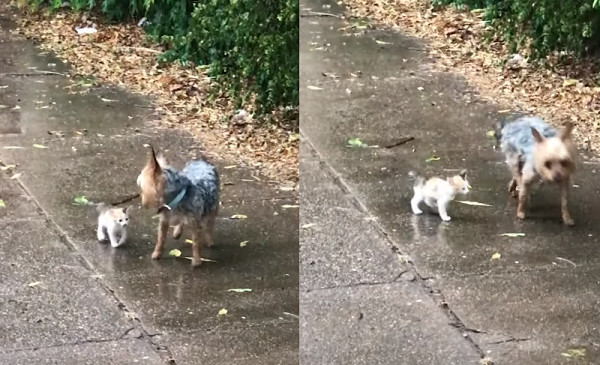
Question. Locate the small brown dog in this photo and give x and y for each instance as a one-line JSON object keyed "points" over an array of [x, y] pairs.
{"points": [[534, 150], [189, 198]]}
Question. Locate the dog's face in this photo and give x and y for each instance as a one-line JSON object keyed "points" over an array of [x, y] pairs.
{"points": [[152, 183], [460, 183], [554, 157]]}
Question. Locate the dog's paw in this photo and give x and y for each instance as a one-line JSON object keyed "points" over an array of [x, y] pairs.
{"points": [[196, 263], [521, 215], [569, 222], [155, 255]]}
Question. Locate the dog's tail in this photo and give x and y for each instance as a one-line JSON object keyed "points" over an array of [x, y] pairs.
{"points": [[498, 130], [416, 178]]}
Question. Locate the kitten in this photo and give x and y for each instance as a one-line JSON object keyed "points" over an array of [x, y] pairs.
{"points": [[437, 192], [112, 224]]}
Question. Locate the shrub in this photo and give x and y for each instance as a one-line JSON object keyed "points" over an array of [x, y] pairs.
{"points": [[541, 26], [250, 46]]}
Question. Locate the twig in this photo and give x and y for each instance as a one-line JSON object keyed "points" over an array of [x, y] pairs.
{"points": [[37, 73], [401, 142], [126, 200], [569, 261], [314, 13]]}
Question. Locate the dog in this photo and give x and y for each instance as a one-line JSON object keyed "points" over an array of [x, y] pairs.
{"points": [[188, 198], [535, 150]]}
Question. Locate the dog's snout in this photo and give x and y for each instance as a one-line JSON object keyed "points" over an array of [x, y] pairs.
{"points": [[557, 177]]}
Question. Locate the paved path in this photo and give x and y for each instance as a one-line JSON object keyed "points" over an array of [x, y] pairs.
{"points": [[382, 286], [66, 299]]}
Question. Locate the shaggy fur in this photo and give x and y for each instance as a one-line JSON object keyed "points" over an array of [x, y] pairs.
{"points": [[534, 150], [198, 209]]}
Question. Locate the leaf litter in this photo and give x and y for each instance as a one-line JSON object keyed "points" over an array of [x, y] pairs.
{"points": [[458, 42], [123, 55]]}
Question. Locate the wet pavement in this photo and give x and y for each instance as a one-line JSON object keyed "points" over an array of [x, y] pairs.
{"points": [[65, 298], [382, 286]]}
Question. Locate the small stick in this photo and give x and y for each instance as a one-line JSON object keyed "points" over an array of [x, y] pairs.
{"points": [[126, 200], [401, 142]]}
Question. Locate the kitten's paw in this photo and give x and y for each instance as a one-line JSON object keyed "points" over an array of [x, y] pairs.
{"points": [[446, 219], [196, 263], [101, 238], [417, 211], [116, 244], [155, 255]]}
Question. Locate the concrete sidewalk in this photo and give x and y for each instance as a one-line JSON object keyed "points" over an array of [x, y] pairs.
{"points": [[382, 286], [67, 299]]}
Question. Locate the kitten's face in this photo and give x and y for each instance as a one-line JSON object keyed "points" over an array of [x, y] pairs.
{"points": [[120, 216], [460, 183]]}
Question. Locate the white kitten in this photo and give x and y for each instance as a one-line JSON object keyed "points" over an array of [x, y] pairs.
{"points": [[437, 192], [112, 224]]}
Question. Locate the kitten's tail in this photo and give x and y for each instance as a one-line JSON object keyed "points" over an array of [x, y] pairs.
{"points": [[101, 207], [416, 178]]}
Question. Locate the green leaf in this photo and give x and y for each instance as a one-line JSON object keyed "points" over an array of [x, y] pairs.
{"points": [[356, 142], [2, 205], [81, 200], [175, 252], [575, 352], [432, 158]]}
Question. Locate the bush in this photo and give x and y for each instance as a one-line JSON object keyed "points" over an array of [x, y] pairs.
{"points": [[541, 26], [250, 46]]}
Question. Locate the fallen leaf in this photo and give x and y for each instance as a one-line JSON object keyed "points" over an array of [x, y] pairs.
{"points": [[432, 158], [286, 188], [575, 352], [513, 234], [3, 106], [108, 100], [81, 200], [3, 86], [496, 256], [230, 167], [356, 142], [308, 225], [39, 146], [239, 216], [382, 42], [314, 87], [16, 176], [467, 202], [175, 252], [287, 206], [490, 134], [2, 205], [7, 167], [189, 241], [240, 290], [222, 312], [244, 243], [34, 284], [13, 148], [570, 82]]}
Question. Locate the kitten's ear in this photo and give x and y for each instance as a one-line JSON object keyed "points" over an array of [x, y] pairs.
{"points": [[128, 210], [537, 136], [153, 163], [463, 174], [566, 132]]}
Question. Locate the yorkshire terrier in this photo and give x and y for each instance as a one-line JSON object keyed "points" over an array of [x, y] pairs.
{"points": [[536, 150], [437, 192], [188, 198]]}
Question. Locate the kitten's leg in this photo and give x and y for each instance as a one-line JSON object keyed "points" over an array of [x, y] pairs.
{"points": [[196, 258], [414, 203], [442, 206], [566, 216], [101, 233], [114, 240], [163, 228], [122, 239], [431, 203]]}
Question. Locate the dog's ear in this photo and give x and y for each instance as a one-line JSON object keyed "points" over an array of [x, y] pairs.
{"points": [[463, 174], [153, 163], [537, 136], [566, 132]]}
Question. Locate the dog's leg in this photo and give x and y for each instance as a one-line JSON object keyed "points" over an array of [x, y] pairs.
{"points": [[523, 192], [196, 258], [178, 231], [515, 170], [163, 228], [208, 227], [566, 216]]}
